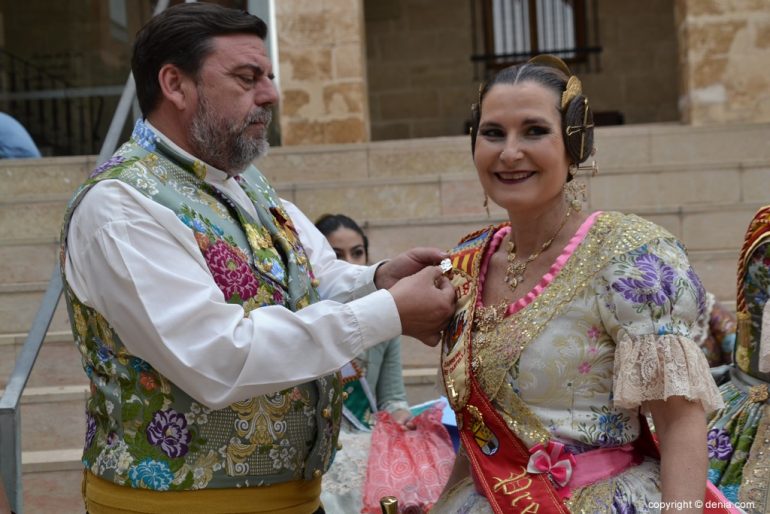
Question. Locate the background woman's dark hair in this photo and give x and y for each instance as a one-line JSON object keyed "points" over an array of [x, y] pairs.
{"points": [[554, 79], [181, 35], [329, 223]]}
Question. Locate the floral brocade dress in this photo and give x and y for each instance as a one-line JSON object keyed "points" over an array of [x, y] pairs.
{"points": [[608, 327]]}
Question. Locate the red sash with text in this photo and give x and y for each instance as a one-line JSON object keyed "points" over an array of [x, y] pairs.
{"points": [[499, 462]]}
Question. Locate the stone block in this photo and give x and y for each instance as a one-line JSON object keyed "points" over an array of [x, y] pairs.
{"points": [[348, 130], [18, 310], [671, 222], [304, 28], [665, 189], [52, 425], [302, 133], [409, 105], [710, 144], [717, 270], [446, 125], [328, 163], [54, 491], [57, 364], [716, 229], [372, 201], [36, 178], [305, 64], [42, 220], [754, 184], [421, 157], [416, 354], [341, 99], [456, 103], [386, 77], [27, 262], [462, 196], [616, 147], [422, 388], [387, 131], [293, 100], [348, 61], [423, 46]]}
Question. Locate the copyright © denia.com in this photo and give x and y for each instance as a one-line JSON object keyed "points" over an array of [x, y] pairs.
{"points": [[699, 504]]}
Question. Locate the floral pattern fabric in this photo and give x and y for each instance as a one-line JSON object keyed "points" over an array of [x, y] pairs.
{"points": [[737, 453], [569, 372], [143, 431]]}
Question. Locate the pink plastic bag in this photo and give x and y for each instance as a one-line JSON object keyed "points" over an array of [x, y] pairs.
{"points": [[412, 465]]}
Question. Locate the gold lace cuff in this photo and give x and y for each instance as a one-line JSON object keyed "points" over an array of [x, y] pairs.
{"points": [[652, 367]]}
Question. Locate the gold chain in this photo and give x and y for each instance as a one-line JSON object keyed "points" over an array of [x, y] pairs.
{"points": [[514, 273]]}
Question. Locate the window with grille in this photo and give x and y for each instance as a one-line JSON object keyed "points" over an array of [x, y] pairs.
{"points": [[512, 31]]}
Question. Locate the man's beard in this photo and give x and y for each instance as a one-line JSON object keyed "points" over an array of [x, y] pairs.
{"points": [[224, 144]]}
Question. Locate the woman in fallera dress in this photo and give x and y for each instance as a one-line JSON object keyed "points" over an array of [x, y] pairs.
{"points": [[570, 327]]}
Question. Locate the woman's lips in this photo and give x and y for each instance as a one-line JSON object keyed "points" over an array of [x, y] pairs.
{"points": [[513, 177]]}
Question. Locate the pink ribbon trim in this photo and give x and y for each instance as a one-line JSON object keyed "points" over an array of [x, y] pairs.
{"points": [[569, 471]]}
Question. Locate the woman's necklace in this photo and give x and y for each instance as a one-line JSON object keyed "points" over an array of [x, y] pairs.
{"points": [[514, 272]]}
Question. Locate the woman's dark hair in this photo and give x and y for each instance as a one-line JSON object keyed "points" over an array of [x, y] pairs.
{"points": [[329, 223], [181, 35], [552, 73]]}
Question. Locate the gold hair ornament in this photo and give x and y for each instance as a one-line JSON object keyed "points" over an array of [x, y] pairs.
{"points": [[574, 88]]}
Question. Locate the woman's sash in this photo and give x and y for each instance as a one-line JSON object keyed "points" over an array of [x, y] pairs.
{"points": [[498, 458]]}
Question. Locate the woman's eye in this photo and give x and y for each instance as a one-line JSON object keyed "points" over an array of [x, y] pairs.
{"points": [[339, 254], [491, 132], [538, 131], [358, 253]]}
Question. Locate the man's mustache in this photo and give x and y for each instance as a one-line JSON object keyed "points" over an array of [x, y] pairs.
{"points": [[260, 115]]}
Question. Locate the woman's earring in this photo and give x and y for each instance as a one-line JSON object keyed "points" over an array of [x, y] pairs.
{"points": [[486, 204], [574, 191]]}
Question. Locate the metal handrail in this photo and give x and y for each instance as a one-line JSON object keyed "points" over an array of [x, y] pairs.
{"points": [[10, 419]]}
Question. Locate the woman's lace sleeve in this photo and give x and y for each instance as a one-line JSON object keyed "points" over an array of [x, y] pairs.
{"points": [[652, 367], [651, 300]]}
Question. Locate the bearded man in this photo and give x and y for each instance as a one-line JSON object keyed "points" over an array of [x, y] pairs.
{"points": [[212, 316]]}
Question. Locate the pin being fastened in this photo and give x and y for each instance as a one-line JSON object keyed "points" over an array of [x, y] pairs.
{"points": [[446, 268]]}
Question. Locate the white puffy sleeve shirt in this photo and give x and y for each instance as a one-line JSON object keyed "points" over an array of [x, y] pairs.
{"points": [[135, 262]]}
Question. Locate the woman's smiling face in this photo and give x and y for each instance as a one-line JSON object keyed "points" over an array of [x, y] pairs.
{"points": [[520, 155]]}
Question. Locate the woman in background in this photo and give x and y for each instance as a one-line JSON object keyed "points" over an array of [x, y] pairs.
{"points": [[372, 382]]}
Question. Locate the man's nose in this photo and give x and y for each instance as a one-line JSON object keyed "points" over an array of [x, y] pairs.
{"points": [[267, 95]]}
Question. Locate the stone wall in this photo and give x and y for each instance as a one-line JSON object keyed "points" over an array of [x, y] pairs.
{"points": [[421, 79], [422, 82], [322, 72], [724, 60], [638, 63]]}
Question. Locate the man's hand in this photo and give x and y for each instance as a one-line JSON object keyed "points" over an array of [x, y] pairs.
{"points": [[406, 264], [425, 302]]}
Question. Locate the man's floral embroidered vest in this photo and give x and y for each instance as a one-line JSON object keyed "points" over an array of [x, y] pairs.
{"points": [[145, 432]]}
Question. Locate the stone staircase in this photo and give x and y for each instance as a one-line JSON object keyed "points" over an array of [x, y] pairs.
{"points": [[703, 184]]}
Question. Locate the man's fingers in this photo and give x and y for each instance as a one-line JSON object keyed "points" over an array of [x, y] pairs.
{"points": [[427, 255], [431, 340]]}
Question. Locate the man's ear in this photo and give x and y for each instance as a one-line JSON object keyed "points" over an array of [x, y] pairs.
{"points": [[177, 86]]}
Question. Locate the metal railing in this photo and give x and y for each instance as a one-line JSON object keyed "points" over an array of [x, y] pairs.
{"points": [[10, 418], [512, 31], [61, 118]]}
